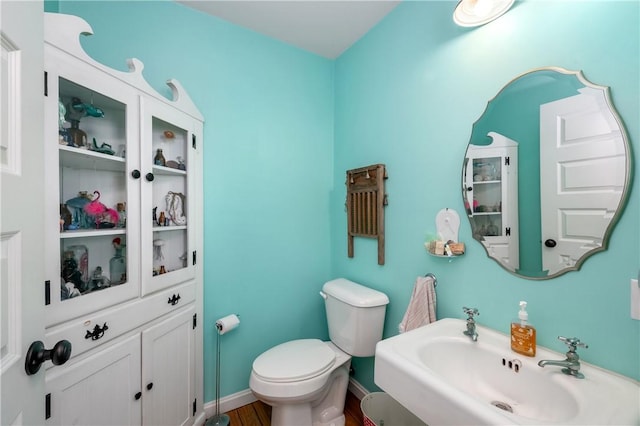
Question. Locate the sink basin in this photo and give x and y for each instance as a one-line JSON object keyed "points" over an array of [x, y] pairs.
{"points": [[445, 378]]}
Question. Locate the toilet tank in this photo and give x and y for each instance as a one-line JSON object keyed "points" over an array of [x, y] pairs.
{"points": [[355, 315]]}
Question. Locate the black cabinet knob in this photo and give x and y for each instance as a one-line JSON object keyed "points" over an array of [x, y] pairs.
{"points": [[37, 355], [135, 174], [550, 243], [149, 177], [149, 386], [138, 396]]}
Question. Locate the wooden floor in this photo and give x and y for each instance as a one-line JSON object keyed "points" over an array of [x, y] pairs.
{"points": [[259, 413]]}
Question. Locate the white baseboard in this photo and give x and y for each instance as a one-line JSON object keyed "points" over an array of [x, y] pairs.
{"points": [[230, 402], [245, 397], [357, 389]]}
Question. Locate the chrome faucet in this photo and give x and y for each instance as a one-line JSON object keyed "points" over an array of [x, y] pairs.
{"points": [[572, 363], [471, 323]]}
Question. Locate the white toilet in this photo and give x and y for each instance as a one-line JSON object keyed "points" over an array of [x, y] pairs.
{"points": [[305, 381]]}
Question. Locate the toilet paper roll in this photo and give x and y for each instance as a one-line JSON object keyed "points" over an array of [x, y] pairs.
{"points": [[228, 323]]}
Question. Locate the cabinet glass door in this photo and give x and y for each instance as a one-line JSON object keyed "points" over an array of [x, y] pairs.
{"points": [[487, 196], [93, 198], [168, 143]]}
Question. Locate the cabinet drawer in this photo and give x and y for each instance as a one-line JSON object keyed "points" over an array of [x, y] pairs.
{"points": [[93, 330]]}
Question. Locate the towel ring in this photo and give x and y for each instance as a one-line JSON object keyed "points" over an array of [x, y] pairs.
{"points": [[435, 280]]}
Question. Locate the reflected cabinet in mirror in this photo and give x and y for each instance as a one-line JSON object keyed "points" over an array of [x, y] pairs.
{"points": [[546, 173]]}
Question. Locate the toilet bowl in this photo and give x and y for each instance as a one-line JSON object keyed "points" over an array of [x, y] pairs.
{"points": [[305, 381]]}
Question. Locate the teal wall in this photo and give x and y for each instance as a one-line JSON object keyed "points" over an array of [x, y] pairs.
{"points": [[407, 95], [283, 126]]}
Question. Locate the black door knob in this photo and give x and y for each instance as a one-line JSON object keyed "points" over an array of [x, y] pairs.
{"points": [[149, 177], [149, 386], [37, 355], [138, 395], [550, 243], [135, 174]]}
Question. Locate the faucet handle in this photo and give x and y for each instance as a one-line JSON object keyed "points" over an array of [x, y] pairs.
{"points": [[470, 311], [573, 343]]}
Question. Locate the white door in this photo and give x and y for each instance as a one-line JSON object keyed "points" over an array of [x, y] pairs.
{"points": [[582, 175], [21, 209]]}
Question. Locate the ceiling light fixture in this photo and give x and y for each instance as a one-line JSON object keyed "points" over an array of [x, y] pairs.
{"points": [[473, 13]]}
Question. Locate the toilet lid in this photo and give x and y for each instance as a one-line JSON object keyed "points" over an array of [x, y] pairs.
{"points": [[295, 360]]}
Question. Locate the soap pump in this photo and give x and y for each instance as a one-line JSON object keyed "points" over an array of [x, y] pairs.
{"points": [[523, 334]]}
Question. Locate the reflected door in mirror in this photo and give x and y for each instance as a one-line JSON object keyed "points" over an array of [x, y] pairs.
{"points": [[582, 159]]}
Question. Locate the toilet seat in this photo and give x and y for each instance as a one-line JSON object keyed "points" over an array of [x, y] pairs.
{"points": [[294, 361]]}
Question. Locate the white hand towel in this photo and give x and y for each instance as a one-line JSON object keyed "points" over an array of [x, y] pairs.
{"points": [[422, 306]]}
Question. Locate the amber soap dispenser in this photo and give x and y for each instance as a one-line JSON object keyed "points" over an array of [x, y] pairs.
{"points": [[523, 334]]}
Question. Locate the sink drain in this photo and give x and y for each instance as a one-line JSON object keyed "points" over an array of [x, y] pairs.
{"points": [[502, 405]]}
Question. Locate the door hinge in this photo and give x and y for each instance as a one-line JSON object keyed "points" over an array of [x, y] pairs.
{"points": [[47, 292], [195, 321], [194, 407], [506, 161], [507, 231], [46, 83], [47, 406], [194, 257], [193, 141]]}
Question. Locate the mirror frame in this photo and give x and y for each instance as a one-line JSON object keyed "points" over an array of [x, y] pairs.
{"points": [[628, 179]]}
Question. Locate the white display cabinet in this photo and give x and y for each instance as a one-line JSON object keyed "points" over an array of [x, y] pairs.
{"points": [[490, 189], [124, 232]]}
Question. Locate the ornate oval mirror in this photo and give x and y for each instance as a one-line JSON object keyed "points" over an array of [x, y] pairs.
{"points": [[546, 173]]}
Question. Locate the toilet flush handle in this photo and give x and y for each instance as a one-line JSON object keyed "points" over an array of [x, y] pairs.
{"points": [[324, 295]]}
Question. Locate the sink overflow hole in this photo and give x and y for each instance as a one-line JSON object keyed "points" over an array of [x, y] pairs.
{"points": [[512, 364], [502, 405]]}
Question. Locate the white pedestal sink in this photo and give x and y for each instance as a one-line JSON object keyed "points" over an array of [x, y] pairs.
{"points": [[444, 378]]}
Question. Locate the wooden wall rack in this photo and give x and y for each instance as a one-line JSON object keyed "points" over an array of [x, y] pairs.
{"points": [[366, 199]]}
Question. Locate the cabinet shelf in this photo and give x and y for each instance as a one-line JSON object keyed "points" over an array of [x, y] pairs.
{"points": [[169, 228], [168, 171], [86, 233], [486, 182], [77, 158]]}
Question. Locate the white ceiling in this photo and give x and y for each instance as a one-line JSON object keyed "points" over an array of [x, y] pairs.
{"points": [[326, 28]]}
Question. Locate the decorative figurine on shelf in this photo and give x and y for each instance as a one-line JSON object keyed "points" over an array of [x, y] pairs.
{"points": [[63, 135], [103, 216], [62, 112], [65, 217], [77, 136], [99, 281], [122, 215], [68, 290], [159, 159], [79, 218], [181, 164], [89, 110], [162, 220], [118, 264], [175, 207], [71, 276], [105, 148], [157, 249]]}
